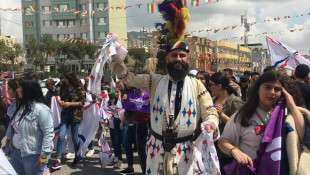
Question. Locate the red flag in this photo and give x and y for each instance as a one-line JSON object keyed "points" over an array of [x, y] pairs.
{"points": [[185, 3]]}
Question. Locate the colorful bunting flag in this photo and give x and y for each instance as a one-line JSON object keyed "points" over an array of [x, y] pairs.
{"points": [[150, 8], [85, 13], [32, 8], [93, 14]]}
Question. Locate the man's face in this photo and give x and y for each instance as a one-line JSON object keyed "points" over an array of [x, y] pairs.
{"points": [[177, 57], [178, 66], [227, 74], [49, 85]]}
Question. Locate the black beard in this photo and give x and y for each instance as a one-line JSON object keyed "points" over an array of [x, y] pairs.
{"points": [[175, 73]]}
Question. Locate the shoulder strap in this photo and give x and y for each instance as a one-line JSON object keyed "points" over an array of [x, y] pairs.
{"points": [[260, 118]]}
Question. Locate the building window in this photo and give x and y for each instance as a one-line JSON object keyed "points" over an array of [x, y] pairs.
{"points": [[83, 22], [71, 35], [46, 9], [101, 21], [101, 35], [71, 23], [101, 5], [60, 36], [63, 6], [28, 11], [82, 7], [29, 24], [29, 37], [84, 35], [60, 23], [47, 23]]}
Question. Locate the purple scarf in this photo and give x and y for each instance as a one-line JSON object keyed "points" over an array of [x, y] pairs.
{"points": [[269, 153], [137, 103]]}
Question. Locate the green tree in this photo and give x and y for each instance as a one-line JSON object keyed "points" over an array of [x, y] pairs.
{"points": [[3, 49], [12, 53], [33, 53], [82, 52], [139, 55], [65, 51], [161, 56], [48, 48]]}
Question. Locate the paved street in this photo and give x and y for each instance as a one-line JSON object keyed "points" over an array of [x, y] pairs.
{"points": [[90, 165]]}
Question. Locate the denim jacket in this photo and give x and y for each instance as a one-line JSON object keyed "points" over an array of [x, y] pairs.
{"points": [[36, 131]]}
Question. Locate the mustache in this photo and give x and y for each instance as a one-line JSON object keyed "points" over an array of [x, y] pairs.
{"points": [[180, 62]]}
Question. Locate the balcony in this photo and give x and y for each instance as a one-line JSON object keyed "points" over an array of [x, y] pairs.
{"points": [[226, 55], [63, 15]]}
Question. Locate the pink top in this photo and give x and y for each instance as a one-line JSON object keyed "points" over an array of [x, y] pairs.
{"points": [[5, 94]]}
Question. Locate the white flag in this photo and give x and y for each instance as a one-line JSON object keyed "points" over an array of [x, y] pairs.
{"points": [[109, 50], [105, 155], [87, 130], [283, 56]]}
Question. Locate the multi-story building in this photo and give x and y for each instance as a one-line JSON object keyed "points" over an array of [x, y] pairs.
{"points": [[231, 56], [201, 52], [8, 40], [64, 23], [260, 57]]}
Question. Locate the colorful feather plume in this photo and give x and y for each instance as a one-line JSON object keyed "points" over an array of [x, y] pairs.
{"points": [[177, 17]]}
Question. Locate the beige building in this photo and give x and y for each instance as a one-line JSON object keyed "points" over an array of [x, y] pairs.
{"points": [[231, 56], [8, 40]]}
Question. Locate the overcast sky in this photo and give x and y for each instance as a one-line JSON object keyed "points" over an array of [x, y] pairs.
{"points": [[225, 13]]}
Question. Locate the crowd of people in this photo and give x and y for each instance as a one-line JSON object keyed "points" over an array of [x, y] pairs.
{"points": [[182, 104]]}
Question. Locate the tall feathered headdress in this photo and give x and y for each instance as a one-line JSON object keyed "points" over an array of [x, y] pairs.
{"points": [[177, 18]]}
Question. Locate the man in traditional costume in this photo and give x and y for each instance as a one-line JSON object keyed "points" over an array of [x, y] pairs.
{"points": [[178, 105]]}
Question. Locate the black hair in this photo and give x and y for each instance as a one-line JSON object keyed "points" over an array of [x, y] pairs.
{"points": [[73, 80], [302, 71], [229, 70], [12, 83], [269, 68], [206, 76], [51, 81], [244, 79], [247, 110], [31, 91], [61, 77], [220, 78], [254, 73], [247, 73]]}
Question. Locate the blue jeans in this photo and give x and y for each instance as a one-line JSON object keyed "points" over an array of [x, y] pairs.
{"points": [[117, 139], [27, 165], [64, 124], [141, 137], [127, 142]]}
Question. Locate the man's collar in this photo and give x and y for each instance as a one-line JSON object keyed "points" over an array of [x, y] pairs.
{"points": [[171, 79]]}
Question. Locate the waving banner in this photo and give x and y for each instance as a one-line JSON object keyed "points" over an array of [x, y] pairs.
{"points": [[137, 103], [283, 56]]}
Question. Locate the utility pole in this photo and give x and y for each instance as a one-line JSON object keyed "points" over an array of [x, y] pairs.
{"points": [[143, 41], [244, 22]]}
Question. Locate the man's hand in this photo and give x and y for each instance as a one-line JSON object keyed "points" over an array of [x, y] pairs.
{"points": [[41, 161], [209, 127]]}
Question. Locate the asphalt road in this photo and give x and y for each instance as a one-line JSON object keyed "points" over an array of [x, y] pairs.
{"points": [[90, 165]]}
